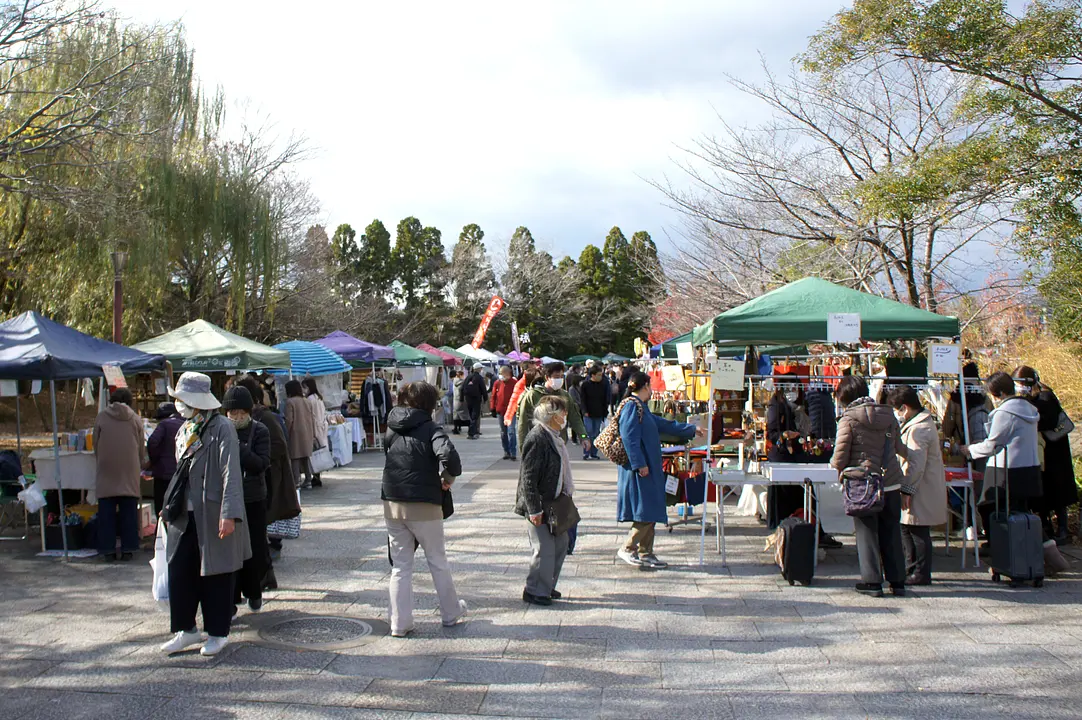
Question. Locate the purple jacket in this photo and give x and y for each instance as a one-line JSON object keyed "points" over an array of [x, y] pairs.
{"points": [[162, 447]]}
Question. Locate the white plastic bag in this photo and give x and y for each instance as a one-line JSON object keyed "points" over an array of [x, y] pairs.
{"points": [[160, 565], [33, 498]]}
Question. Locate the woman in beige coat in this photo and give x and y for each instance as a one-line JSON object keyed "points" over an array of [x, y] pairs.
{"points": [[924, 490], [301, 429], [121, 452]]}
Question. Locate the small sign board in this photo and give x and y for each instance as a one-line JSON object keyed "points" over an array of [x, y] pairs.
{"points": [[727, 375], [685, 353], [843, 328], [114, 376], [944, 359], [674, 377]]}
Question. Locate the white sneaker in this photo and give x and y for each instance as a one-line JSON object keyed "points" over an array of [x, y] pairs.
{"points": [[213, 646], [971, 536], [401, 633], [461, 617], [182, 641], [631, 558], [651, 560]]}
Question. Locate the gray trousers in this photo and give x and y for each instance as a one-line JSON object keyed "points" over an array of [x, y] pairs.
{"points": [[549, 552], [879, 543], [405, 536]]}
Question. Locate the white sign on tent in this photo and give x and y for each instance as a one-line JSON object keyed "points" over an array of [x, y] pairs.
{"points": [[944, 359], [727, 375], [843, 328], [685, 353]]}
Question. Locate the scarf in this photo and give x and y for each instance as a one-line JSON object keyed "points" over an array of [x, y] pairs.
{"points": [[567, 485], [188, 436]]}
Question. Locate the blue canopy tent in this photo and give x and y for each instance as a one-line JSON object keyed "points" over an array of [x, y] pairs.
{"points": [[309, 358], [33, 347]]}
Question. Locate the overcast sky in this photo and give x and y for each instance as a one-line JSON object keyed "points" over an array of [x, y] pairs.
{"points": [[547, 114]]}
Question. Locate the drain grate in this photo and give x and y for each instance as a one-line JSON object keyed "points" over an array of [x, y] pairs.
{"points": [[318, 633]]}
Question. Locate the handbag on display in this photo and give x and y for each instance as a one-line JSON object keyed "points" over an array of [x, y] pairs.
{"points": [[561, 514], [610, 442]]}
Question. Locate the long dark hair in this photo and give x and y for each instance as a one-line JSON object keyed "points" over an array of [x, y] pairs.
{"points": [[294, 389], [310, 385]]}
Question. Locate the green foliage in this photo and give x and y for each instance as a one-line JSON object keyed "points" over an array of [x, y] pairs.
{"points": [[419, 262], [595, 273], [376, 271]]}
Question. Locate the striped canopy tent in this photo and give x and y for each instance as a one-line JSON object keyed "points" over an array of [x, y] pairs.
{"points": [[448, 359], [310, 359]]}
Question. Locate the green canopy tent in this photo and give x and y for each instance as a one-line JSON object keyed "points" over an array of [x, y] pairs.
{"points": [[614, 358], [407, 356], [202, 347], [797, 313], [579, 359]]}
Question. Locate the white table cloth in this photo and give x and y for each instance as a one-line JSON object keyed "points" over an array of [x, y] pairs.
{"points": [[341, 439], [78, 470], [358, 433]]}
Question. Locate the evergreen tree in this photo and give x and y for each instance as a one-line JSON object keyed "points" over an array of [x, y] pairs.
{"points": [[376, 259], [471, 279]]}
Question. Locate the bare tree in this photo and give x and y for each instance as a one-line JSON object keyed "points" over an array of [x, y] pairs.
{"points": [[773, 203]]}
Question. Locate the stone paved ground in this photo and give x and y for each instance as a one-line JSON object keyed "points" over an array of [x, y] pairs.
{"points": [[79, 640]]}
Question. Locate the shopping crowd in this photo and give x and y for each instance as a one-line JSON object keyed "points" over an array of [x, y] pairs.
{"points": [[225, 470]]}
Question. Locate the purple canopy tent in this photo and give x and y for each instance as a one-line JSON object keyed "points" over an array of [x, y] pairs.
{"points": [[352, 349]]}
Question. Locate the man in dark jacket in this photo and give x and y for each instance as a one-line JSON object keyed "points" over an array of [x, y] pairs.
{"points": [[475, 392], [595, 407], [162, 451], [255, 459]]}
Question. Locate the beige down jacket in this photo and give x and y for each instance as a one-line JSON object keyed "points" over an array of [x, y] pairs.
{"points": [[924, 475]]}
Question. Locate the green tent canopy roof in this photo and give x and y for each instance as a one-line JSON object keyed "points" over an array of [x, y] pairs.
{"points": [[451, 351], [411, 356], [202, 347], [797, 313], [576, 359]]}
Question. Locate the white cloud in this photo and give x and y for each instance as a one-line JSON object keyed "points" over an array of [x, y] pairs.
{"points": [[505, 114]]}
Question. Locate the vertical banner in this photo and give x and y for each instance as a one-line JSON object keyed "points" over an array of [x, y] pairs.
{"points": [[514, 337], [494, 307]]}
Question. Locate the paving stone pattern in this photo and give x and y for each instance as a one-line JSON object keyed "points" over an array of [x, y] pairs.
{"points": [[79, 639]]}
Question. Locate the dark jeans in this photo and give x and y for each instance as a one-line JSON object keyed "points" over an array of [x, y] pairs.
{"points": [[879, 543], [505, 437], [572, 538], [188, 589], [160, 486], [250, 576], [474, 407], [593, 429], [118, 513], [917, 541]]}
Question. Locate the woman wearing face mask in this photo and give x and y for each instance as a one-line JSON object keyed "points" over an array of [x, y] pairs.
{"points": [[203, 504], [869, 440], [640, 489], [1057, 478], [924, 490], [319, 418], [255, 457]]}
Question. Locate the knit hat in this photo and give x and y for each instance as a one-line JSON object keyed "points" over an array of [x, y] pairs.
{"points": [[238, 398], [165, 410]]}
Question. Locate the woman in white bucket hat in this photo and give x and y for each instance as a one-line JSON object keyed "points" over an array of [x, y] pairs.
{"points": [[203, 505]]}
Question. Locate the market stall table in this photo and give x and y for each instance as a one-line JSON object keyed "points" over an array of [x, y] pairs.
{"points": [[357, 428], [959, 479], [341, 439]]}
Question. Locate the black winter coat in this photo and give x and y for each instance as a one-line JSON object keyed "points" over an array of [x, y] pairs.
{"points": [[1058, 474], [474, 388], [539, 473], [415, 448], [595, 399], [779, 419], [255, 458], [820, 404]]}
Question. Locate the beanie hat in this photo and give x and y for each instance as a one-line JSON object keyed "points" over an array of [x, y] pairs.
{"points": [[238, 398]]}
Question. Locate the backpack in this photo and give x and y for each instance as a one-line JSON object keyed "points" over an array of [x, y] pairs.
{"points": [[610, 442], [863, 491]]}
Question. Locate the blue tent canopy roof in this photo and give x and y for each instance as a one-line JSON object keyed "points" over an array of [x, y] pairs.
{"points": [[33, 347], [309, 358]]}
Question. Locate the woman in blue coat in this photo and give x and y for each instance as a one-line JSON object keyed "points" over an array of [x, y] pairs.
{"points": [[641, 487]]}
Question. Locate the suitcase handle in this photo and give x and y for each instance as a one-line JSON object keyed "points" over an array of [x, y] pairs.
{"points": [[1006, 482]]}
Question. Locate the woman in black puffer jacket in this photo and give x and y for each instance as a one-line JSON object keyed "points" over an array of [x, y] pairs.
{"points": [[412, 493]]}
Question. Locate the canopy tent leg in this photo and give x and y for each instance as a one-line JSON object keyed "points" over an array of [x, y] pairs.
{"points": [[969, 470], [59, 484]]}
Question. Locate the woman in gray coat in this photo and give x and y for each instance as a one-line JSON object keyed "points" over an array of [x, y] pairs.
{"points": [[203, 505]]}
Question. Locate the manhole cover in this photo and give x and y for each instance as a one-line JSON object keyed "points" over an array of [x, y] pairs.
{"points": [[318, 633]]}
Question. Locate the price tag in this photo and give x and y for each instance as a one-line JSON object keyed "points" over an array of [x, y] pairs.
{"points": [[945, 359], [728, 375], [843, 328], [672, 484], [674, 377], [685, 353], [114, 377]]}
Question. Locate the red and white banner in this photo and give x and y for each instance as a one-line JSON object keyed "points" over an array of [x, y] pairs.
{"points": [[494, 308]]}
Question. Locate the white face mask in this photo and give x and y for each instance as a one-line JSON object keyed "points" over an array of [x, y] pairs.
{"points": [[1022, 390], [556, 383], [792, 397], [185, 411], [561, 420], [900, 417]]}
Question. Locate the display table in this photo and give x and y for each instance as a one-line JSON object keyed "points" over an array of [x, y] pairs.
{"points": [[357, 428], [78, 470], [341, 440]]}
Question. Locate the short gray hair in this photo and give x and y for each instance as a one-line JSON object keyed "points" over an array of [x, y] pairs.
{"points": [[547, 407]]}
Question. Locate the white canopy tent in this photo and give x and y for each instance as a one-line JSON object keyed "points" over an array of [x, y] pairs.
{"points": [[479, 354]]}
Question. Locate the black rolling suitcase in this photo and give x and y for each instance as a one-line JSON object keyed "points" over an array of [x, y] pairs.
{"points": [[797, 553], [1017, 541]]}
